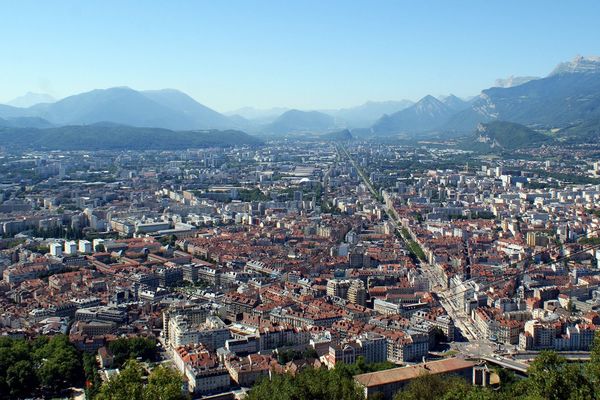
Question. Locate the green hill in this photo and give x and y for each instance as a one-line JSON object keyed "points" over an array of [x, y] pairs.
{"points": [[505, 135], [120, 137]]}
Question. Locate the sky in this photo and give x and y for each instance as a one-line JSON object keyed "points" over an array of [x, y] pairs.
{"points": [[300, 54]]}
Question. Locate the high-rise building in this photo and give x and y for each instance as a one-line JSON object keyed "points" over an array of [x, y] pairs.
{"points": [[357, 293], [338, 288], [56, 249]]}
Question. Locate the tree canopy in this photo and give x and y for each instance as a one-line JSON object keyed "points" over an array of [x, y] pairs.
{"points": [[162, 383], [124, 349], [317, 383], [44, 365], [550, 377]]}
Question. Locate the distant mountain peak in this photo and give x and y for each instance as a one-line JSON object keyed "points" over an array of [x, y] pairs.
{"points": [[579, 64], [301, 121], [366, 114], [454, 102], [428, 98], [429, 104], [425, 115], [30, 99], [513, 81]]}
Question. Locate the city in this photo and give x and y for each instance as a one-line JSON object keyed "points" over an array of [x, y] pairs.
{"points": [[229, 258], [307, 200]]}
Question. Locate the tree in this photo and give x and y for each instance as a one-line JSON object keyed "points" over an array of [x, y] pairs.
{"points": [[428, 387], [551, 377], [21, 378], [92, 377], [424, 387], [45, 364], [310, 383], [310, 353], [164, 384], [59, 363], [593, 367], [124, 349], [127, 385]]}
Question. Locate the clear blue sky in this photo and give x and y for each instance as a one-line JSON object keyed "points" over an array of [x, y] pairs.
{"points": [[304, 54]]}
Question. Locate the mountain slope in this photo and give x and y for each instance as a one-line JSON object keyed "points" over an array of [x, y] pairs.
{"points": [[198, 114], [368, 113], [571, 94], [455, 103], [506, 135], [427, 114], [585, 132], [300, 121], [13, 112], [163, 109], [24, 122], [514, 81], [256, 114], [120, 105]]}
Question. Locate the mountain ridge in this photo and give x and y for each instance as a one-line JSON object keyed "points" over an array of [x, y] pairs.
{"points": [[120, 137], [569, 95], [166, 108], [298, 121], [427, 114]]}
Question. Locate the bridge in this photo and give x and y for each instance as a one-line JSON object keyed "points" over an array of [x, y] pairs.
{"points": [[506, 363]]}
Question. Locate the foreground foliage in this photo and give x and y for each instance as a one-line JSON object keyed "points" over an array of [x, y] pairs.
{"points": [[162, 383], [41, 366], [312, 383], [124, 349], [550, 377]]}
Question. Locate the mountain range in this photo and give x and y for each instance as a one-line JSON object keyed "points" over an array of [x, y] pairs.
{"points": [[568, 97], [169, 109], [172, 109], [365, 115]]}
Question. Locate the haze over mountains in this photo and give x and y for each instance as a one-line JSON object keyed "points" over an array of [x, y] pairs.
{"points": [[30, 99], [173, 109], [423, 116], [298, 121], [568, 96], [169, 109]]}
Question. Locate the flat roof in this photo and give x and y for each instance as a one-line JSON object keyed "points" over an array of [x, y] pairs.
{"points": [[406, 373]]}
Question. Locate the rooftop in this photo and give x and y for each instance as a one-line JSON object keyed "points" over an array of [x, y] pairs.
{"points": [[407, 373]]}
